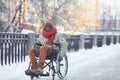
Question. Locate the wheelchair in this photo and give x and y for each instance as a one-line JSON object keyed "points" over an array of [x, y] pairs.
{"points": [[54, 64]]}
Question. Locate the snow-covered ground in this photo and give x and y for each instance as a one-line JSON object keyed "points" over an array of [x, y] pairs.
{"points": [[16, 71]]}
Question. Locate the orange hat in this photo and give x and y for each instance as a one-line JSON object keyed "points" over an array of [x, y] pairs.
{"points": [[48, 24]]}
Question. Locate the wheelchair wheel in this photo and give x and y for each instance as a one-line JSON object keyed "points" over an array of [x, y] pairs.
{"points": [[62, 66]]}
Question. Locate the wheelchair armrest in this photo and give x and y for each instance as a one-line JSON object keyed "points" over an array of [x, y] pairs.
{"points": [[38, 44], [57, 44]]}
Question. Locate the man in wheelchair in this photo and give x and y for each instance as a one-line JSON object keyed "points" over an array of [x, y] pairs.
{"points": [[48, 36]]}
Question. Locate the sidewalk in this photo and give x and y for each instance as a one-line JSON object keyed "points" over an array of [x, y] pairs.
{"points": [[15, 71]]}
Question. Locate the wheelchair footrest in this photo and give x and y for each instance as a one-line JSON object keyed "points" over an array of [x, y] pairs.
{"points": [[28, 72], [44, 74]]}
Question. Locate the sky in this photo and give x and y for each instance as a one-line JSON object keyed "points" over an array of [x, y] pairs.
{"points": [[16, 71]]}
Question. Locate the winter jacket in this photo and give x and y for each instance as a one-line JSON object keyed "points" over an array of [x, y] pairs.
{"points": [[59, 38]]}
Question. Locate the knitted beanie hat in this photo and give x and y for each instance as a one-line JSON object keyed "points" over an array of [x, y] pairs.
{"points": [[48, 24]]}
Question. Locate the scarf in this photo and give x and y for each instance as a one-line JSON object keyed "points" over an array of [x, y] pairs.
{"points": [[49, 35]]}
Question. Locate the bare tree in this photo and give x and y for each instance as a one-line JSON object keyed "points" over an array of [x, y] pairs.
{"points": [[51, 10], [3, 10]]}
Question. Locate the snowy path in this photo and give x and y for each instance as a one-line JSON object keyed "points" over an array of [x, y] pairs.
{"points": [[94, 64], [101, 66]]}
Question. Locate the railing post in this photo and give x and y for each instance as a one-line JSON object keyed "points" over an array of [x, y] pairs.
{"points": [[31, 40], [81, 41], [117, 38], [95, 40], [112, 39], [104, 39]]}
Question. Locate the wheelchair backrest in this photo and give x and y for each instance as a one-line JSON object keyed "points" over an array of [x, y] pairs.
{"points": [[55, 50]]}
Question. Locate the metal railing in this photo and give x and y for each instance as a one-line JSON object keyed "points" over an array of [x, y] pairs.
{"points": [[12, 48], [15, 46], [88, 41]]}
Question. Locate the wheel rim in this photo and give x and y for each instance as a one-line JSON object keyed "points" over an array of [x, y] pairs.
{"points": [[62, 67]]}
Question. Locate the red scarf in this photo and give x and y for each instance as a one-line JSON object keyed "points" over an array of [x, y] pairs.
{"points": [[49, 35]]}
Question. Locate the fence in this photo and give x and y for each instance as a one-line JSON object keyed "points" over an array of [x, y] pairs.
{"points": [[88, 41], [14, 46]]}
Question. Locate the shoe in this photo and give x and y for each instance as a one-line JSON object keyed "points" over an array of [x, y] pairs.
{"points": [[30, 72], [33, 70], [39, 71]]}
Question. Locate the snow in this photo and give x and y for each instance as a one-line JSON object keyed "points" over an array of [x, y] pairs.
{"points": [[25, 31], [10, 72], [97, 33], [16, 71]]}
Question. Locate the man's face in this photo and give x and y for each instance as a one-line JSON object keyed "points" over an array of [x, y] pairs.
{"points": [[47, 28]]}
